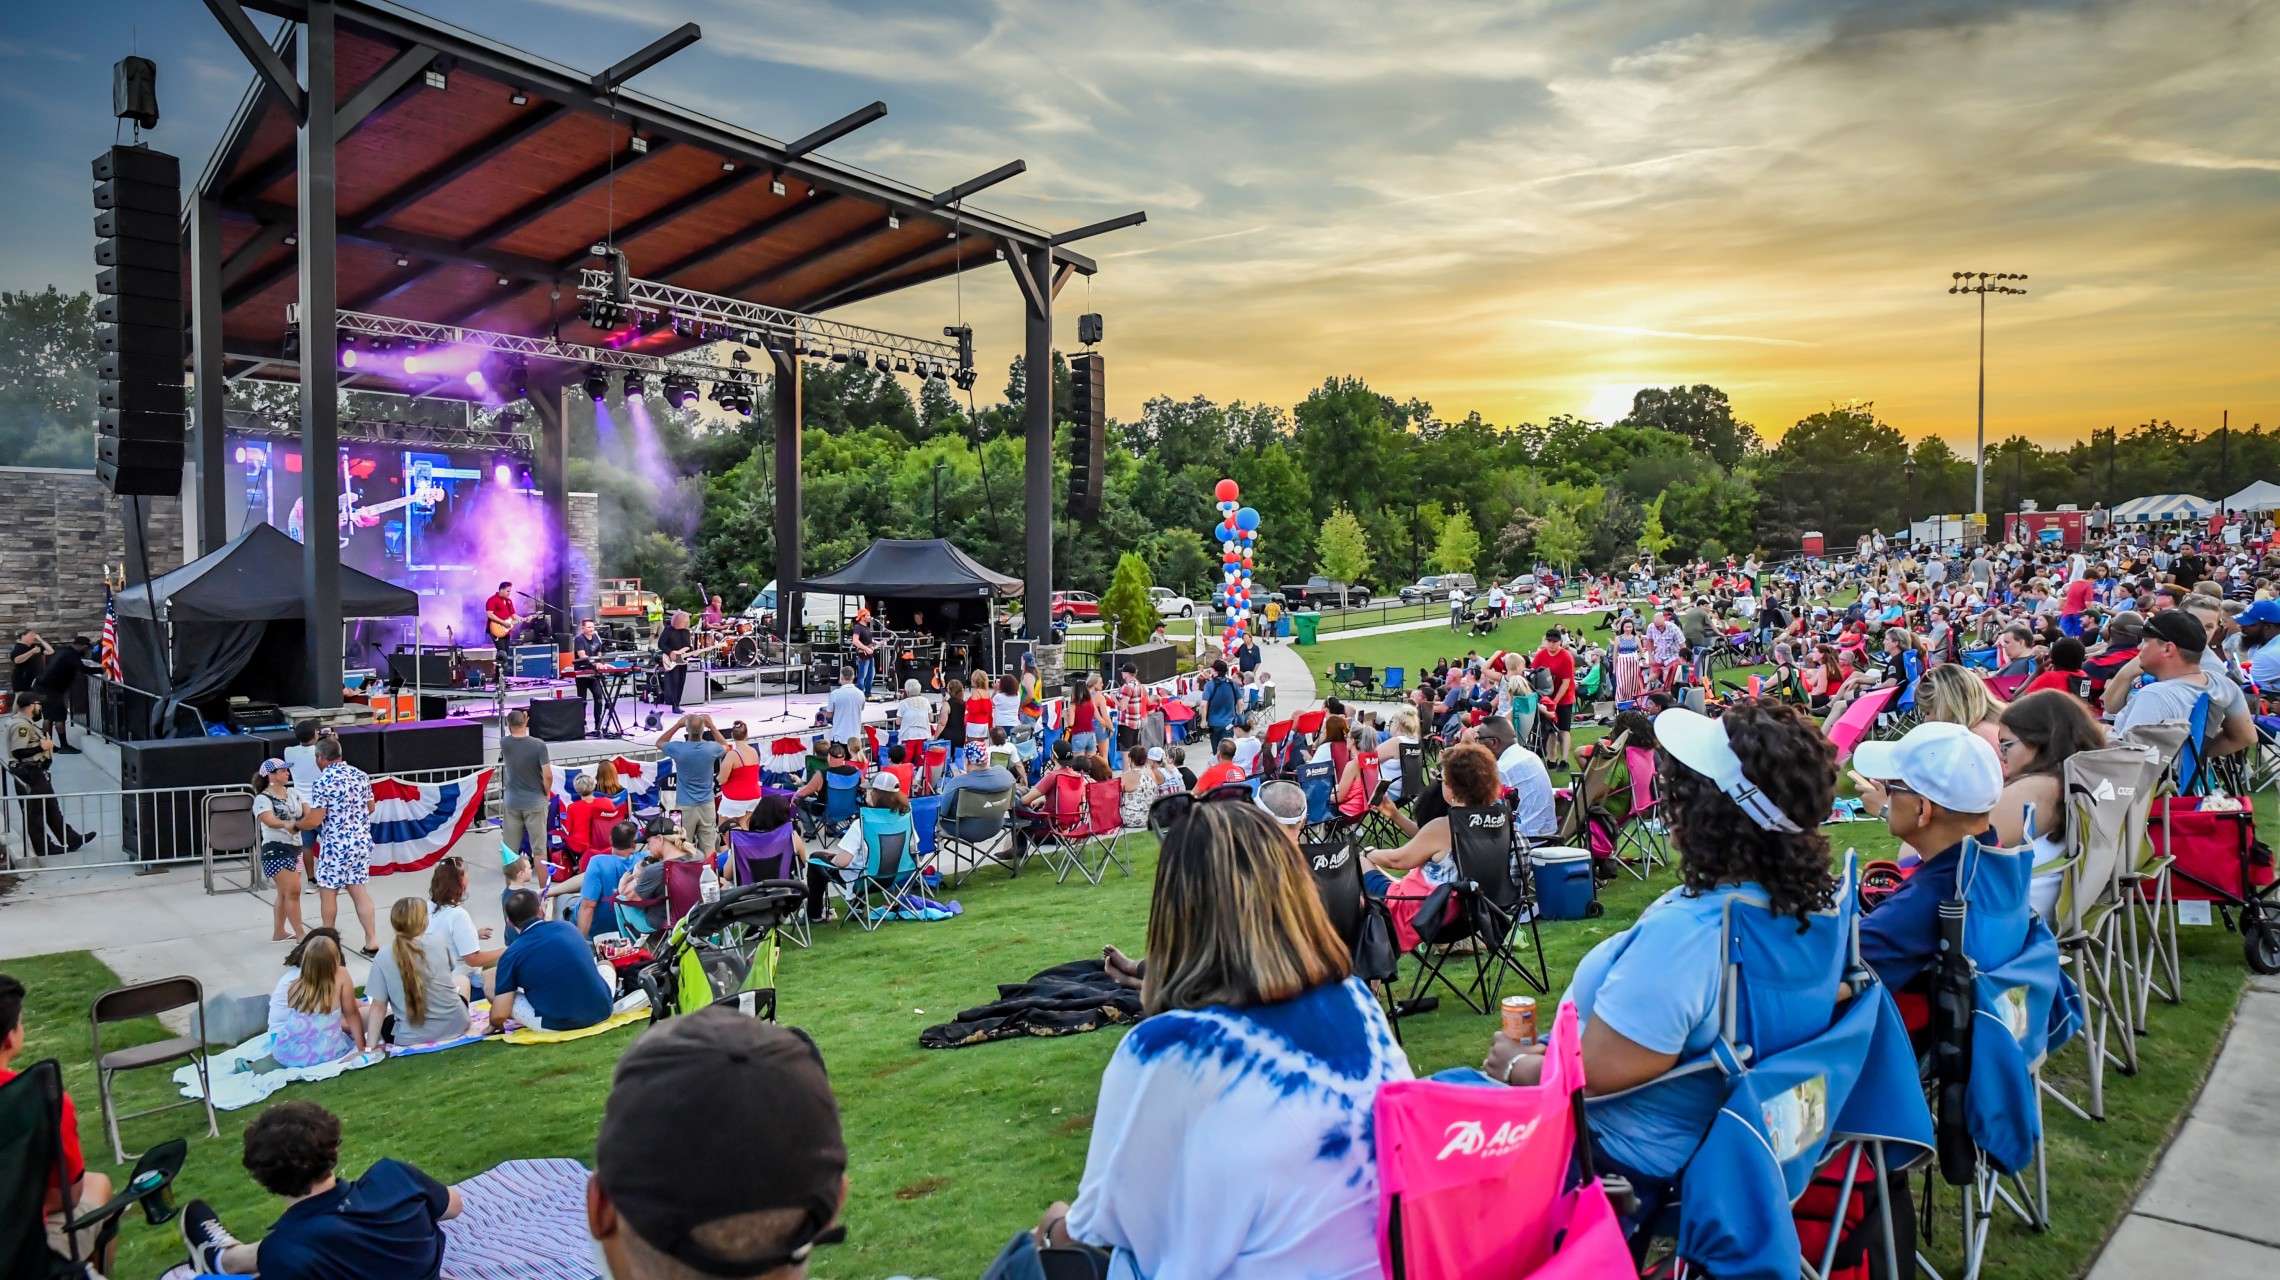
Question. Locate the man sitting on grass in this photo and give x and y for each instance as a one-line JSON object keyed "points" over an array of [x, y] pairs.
{"points": [[382, 1225], [551, 966], [719, 1153]]}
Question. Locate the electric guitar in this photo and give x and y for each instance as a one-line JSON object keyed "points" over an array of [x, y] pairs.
{"points": [[500, 628], [354, 515], [676, 661]]}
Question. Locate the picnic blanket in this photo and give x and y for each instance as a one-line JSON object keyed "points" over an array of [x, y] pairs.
{"points": [[246, 1074], [522, 1220], [1062, 1001], [524, 1035]]}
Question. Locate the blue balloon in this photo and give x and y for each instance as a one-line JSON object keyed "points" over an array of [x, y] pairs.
{"points": [[1247, 518], [1246, 573], [1223, 533]]}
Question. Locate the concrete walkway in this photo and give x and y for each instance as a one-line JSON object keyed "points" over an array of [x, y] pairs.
{"points": [[2209, 1210]]}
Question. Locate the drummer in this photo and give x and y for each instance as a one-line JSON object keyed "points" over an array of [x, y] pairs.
{"points": [[714, 619]]}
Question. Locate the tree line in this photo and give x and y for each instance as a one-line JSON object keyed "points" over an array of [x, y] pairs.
{"points": [[1384, 487]]}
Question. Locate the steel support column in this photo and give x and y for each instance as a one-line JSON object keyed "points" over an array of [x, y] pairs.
{"points": [[1037, 449], [553, 405], [208, 385], [790, 514], [320, 362]]}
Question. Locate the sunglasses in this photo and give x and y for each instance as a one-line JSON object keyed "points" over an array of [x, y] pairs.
{"points": [[1168, 811]]}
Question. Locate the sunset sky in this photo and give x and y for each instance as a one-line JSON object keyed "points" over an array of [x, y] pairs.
{"points": [[1516, 207]]}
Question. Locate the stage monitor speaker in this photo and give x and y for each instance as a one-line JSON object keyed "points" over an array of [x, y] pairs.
{"points": [[1151, 662], [558, 719], [360, 746], [434, 706], [430, 669], [442, 744], [138, 204], [1088, 437], [1011, 653], [168, 819]]}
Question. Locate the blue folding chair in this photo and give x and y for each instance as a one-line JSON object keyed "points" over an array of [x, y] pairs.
{"points": [[842, 798], [1982, 659], [1802, 1090], [2193, 771], [2000, 1005], [1318, 779], [887, 880], [1396, 680]]}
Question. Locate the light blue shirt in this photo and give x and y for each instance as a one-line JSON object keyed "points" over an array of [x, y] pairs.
{"points": [[2264, 666], [1657, 985]]}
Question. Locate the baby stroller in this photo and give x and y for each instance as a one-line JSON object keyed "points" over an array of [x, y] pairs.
{"points": [[725, 949]]}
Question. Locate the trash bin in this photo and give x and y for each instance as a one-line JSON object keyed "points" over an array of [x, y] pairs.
{"points": [[1304, 624]]}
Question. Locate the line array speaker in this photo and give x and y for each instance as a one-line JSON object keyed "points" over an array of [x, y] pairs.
{"points": [[140, 434], [1088, 411]]}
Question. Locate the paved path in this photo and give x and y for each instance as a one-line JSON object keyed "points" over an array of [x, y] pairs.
{"points": [[1294, 681], [2209, 1210]]}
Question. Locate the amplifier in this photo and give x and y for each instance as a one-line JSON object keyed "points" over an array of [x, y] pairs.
{"points": [[255, 717], [558, 719], [430, 669]]}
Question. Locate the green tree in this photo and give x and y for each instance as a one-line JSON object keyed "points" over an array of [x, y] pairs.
{"points": [[1559, 539], [1699, 413], [47, 379], [1458, 550], [1127, 610], [1653, 541], [1343, 547]]}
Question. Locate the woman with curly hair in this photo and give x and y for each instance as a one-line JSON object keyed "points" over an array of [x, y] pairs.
{"points": [[1745, 795]]}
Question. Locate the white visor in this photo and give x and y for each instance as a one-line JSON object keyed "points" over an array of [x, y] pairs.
{"points": [[1700, 743]]}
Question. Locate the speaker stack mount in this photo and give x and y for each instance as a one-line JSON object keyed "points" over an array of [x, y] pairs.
{"points": [[138, 312], [1088, 442]]}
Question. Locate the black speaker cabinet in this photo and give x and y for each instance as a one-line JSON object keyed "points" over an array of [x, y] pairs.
{"points": [[163, 821], [360, 746], [559, 719], [1151, 662], [432, 670], [441, 744], [434, 706]]}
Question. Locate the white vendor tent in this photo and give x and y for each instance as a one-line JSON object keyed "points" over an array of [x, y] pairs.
{"points": [[2261, 496], [2162, 507]]}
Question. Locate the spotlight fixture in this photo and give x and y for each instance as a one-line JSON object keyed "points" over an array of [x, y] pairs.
{"points": [[680, 390], [436, 79], [504, 281], [881, 363], [965, 379], [728, 166], [636, 386], [519, 98], [902, 364], [597, 382], [775, 186], [640, 145], [518, 381], [894, 222], [839, 357]]}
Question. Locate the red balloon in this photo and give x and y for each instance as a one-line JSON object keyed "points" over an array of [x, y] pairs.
{"points": [[1228, 491]]}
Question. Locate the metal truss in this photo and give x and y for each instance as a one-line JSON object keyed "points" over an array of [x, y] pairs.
{"points": [[368, 325], [440, 435], [712, 317]]}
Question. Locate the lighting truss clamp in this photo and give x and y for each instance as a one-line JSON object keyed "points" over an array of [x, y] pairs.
{"points": [[757, 324]]}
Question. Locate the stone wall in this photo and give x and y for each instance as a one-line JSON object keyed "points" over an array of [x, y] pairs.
{"points": [[586, 541], [58, 529]]}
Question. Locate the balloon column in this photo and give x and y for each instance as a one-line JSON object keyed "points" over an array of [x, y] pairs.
{"points": [[1238, 534]]}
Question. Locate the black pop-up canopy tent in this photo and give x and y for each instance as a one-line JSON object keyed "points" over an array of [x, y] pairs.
{"points": [[911, 575], [231, 623]]}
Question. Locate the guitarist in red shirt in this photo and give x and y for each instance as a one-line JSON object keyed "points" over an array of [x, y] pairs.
{"points": [[500, 610]]}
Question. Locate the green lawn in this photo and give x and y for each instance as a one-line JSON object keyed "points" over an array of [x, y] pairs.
{"points": [[953, 1151]]}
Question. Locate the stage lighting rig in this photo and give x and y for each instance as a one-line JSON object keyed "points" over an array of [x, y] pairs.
{"points": [[597, 382], [636, 386], [680, 390], [518, 381]]}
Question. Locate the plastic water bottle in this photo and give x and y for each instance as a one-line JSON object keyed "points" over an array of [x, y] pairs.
{"points": [[708, 888]]}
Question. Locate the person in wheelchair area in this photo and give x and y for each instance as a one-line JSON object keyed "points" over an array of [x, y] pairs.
{"points": [[1745, 795]]}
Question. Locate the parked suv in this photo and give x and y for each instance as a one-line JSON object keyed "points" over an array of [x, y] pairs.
{"points": [[1435, 586], [1069, 605]]}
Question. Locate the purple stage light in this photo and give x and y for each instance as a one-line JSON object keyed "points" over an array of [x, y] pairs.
{"points": [[348, 357], [502, 473], [475, 379]]}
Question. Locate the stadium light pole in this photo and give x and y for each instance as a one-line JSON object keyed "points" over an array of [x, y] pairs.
{"points": [[1983, 283]]}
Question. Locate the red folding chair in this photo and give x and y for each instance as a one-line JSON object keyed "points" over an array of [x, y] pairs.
{"points": [[1065, 826], [936, 764], [1103, 833], [1310, 722], [1272, 745]]}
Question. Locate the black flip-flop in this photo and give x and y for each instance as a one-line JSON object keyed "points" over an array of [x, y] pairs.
{"points": [[369, 953]]}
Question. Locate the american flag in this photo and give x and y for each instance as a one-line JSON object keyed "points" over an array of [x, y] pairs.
{"points": [[109, 648]]}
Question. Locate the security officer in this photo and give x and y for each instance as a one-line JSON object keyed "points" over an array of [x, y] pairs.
{"points": [[30, 754]]}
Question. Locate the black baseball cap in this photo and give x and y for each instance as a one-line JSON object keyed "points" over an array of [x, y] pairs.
{"points": [[715, 1114], [2178, 628]]}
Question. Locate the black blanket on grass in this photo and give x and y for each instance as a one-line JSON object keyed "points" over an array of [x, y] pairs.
{"points": [[1062, 1001]]}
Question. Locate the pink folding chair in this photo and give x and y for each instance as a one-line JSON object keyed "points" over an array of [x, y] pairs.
{"points": [[1854, 724], [1639, 841], [1473, 1178]]}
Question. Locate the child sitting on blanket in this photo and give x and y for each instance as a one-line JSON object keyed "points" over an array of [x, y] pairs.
{"points": [[382, 1224]]}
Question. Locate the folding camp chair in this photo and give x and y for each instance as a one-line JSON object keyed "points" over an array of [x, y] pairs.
{"points": [[842, 800], [971, 828], [1342, 675], [1490, 906], [1063, 825], [2109, 793], [933, 768], [32, 1160], [758, 857], [1363, 681], [1998, 1009], [887, 870], [1804, 1093], [1641, 838], [1395, 680], [1103, 833], [1273, 744], [2147, 892], [1318, 779], [1360, 921], [1523, 1200], [1586, 809]]}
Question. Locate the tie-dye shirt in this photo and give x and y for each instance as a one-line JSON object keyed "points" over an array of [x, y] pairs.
{"points": [[1238, 1142]]}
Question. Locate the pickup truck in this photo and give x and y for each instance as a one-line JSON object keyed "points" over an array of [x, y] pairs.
{"points": [[1319, 592]]}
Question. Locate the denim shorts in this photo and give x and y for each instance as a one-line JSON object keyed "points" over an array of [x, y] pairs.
{"points": [[1083, 741]]}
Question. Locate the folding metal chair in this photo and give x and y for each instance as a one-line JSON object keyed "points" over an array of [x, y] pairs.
{"points": [[232, 831], [148, 1000], [1103, 833]]}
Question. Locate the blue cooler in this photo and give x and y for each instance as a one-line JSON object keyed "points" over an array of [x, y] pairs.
{"points": [[1563, 883]]}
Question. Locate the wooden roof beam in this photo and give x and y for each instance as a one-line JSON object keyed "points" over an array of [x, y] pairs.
{"points": [[507, 224], [737, 240], [466, 161], [830, 248]]}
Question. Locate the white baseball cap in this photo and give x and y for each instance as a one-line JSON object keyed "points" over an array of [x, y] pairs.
{"points": [[1946, 764], [885, 781], [1700, 743]]}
